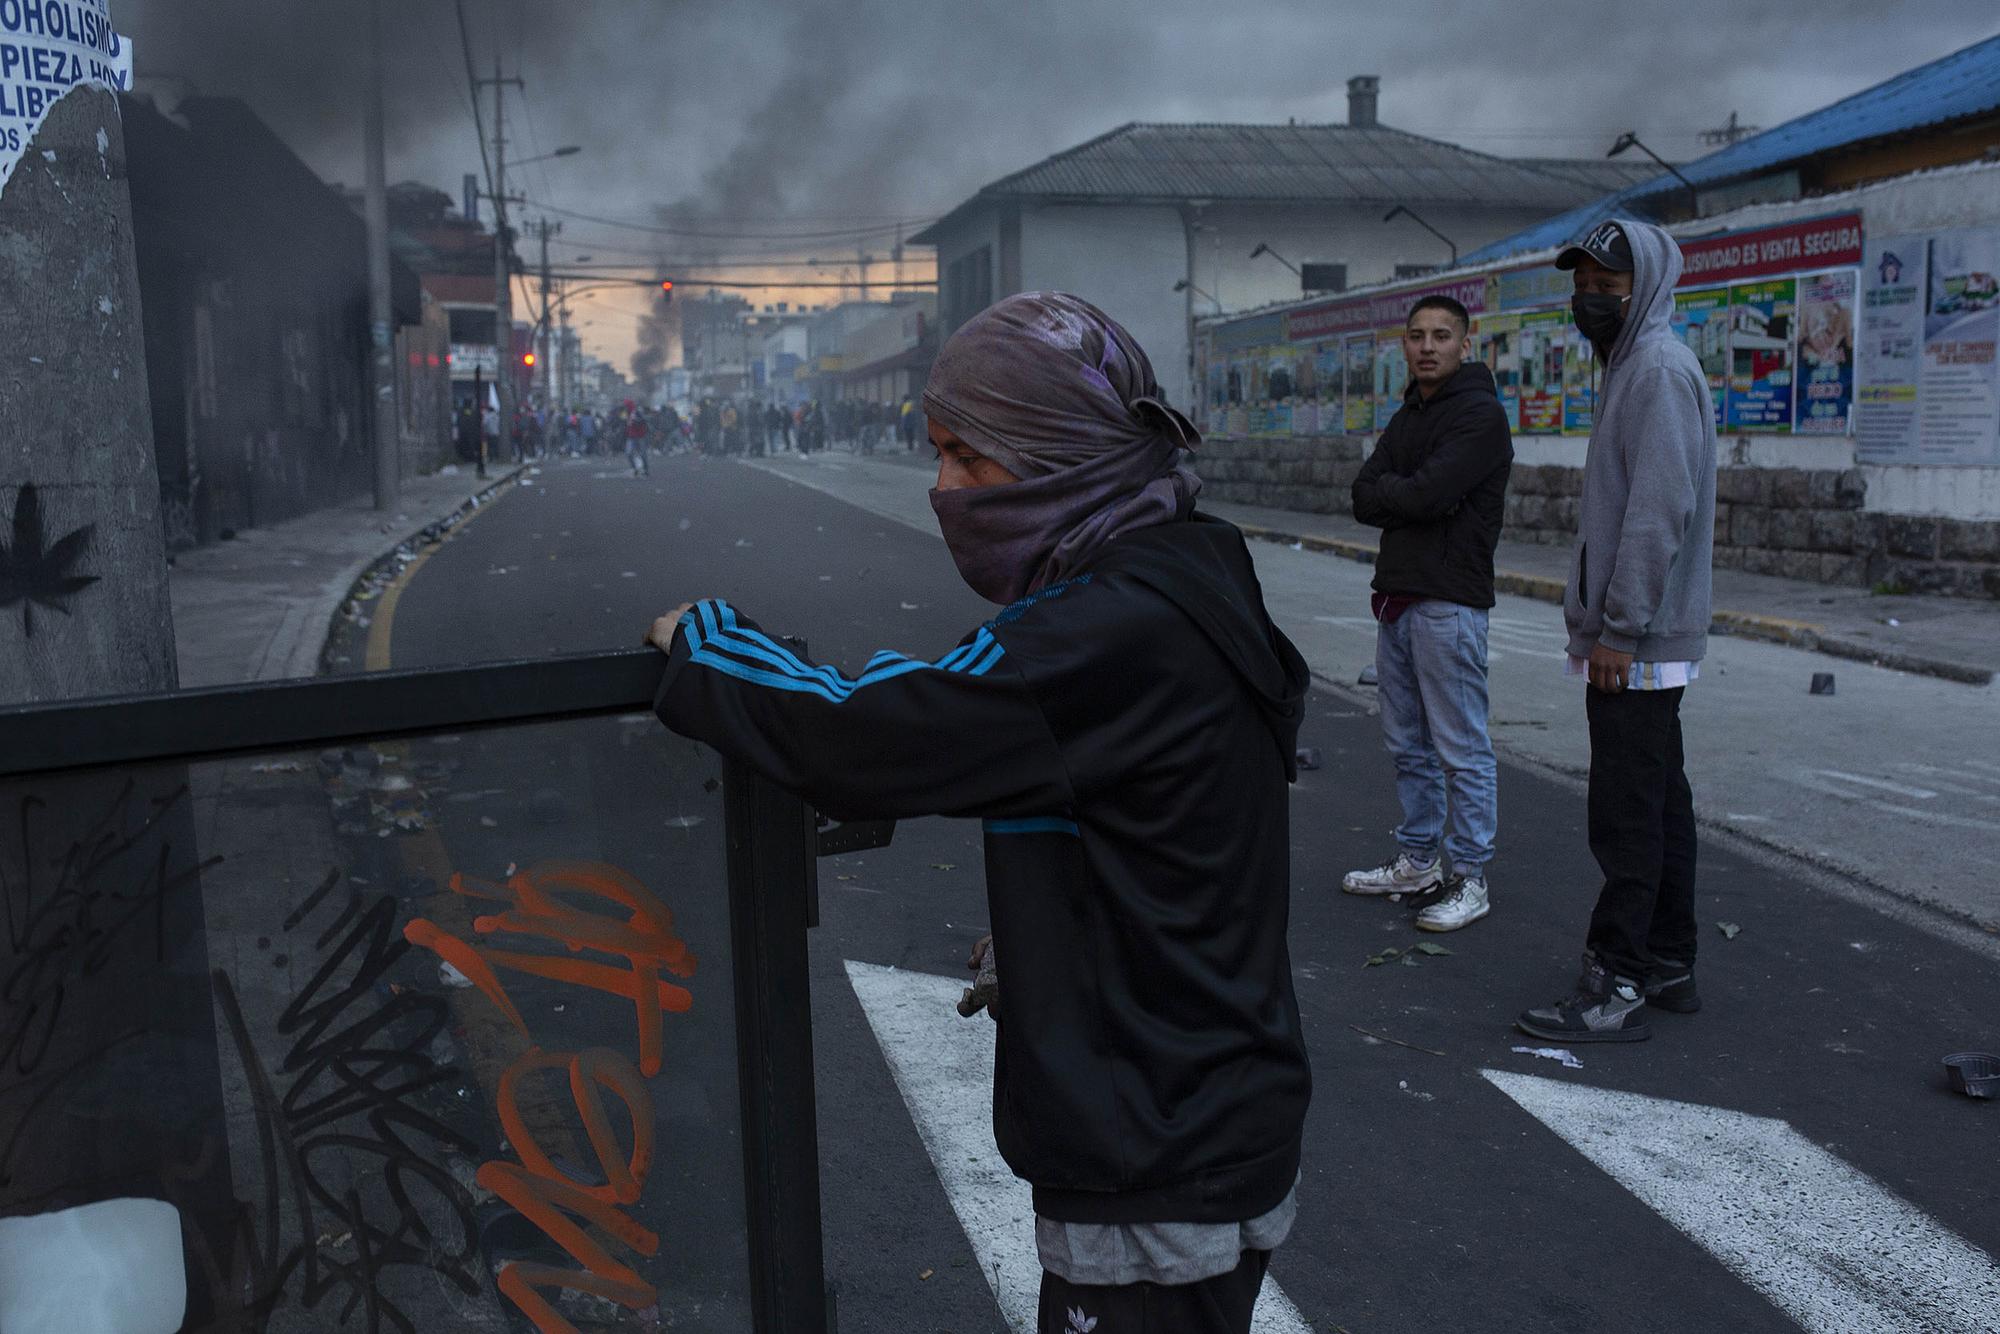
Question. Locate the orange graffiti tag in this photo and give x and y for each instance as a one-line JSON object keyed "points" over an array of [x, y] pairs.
{"points": [[542, 1192], [546, 1195], [644, 938]]}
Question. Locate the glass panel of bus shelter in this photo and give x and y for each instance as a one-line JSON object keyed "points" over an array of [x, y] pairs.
{"points": [[426, 1034]]}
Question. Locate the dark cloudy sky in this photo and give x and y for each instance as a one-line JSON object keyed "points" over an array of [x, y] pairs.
{"points": [[769, 117]]}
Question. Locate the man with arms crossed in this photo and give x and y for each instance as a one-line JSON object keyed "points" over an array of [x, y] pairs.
{"points": [[1637, 608], [1436, 485]]}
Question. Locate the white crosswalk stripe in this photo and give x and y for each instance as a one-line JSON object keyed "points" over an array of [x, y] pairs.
{"points": [[1830, 1247], [943, 1065]]}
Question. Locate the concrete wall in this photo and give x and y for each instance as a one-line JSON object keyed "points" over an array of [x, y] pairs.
{"points": [[1123, 260], [1817, 524]]}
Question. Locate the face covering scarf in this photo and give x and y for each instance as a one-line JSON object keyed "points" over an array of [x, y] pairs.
{"points": [[1059, 394]]}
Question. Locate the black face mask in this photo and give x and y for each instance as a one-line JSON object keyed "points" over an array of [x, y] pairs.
{"points": [[1600, 315]]}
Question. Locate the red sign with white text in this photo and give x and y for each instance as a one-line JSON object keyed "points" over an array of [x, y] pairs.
{"points": [[1816, 243]]}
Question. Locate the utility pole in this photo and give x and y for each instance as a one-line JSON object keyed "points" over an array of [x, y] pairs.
{"points": [[381, 318], [545, 229], [1730, 132], [503, 274], [864, 259]]}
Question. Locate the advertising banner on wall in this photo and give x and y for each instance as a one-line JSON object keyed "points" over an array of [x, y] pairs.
{"points": [[1761, 316], [1826, 353], [1392, 375], [1579, 397], [1498, 338], [1701, 320], [1812, 243], [1925, 373], [1542, 336], [1958, 402], [1330, 373], [1358, 403]]}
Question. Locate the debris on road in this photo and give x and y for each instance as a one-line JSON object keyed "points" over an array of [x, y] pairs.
{"points": [[1562, 1054], [1976, 1074], [1307, 757], [1404, 1086], [1729, 930], [1394, 1042], [1367, 677], [1822, 684]]}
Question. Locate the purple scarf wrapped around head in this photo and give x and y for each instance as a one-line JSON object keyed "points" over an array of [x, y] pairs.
{"points": [[1055, 391]]}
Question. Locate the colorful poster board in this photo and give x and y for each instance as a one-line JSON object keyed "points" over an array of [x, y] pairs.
{"points": [[1542, 336], [1761, 320], [1330, 373], [1926, 381], [1579, 383], [1358, 402], [1825, 399], [1498, 339], [1701, 320], [1392, 375]]}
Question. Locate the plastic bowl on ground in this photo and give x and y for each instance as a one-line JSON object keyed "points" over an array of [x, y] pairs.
{"points": [[1976, 1074]]}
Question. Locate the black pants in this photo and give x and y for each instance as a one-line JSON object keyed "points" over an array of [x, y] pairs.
{"points": [[1641, 831], [1220, 1305]]}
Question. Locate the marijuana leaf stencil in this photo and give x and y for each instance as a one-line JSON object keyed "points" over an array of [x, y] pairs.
{"points": [[34, 575]]}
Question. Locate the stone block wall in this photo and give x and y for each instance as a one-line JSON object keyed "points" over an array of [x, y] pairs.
{"points": [[1311, 474], [1799, 523]]}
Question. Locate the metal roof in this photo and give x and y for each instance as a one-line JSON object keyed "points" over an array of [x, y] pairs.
{"points": [[1315, 164], [1963, 84]]}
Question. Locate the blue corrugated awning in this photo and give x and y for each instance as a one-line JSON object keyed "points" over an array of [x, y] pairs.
{"points": [[1963, 84]]}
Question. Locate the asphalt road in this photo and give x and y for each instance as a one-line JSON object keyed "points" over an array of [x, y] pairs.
{"points": [[1452, 1179]]}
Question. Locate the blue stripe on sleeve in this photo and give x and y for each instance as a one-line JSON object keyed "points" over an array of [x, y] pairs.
{"points": [[1036, 824], [716, 639]]}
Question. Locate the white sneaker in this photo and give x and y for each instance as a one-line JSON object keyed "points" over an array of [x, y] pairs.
{"points": [[1401, 876], [1465, 901]]}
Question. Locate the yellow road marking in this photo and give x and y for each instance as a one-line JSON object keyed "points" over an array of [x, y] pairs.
{"points": [[382, 628]]}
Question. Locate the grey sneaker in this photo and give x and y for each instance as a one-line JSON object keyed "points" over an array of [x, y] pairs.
{"points": [[1401, 876], [1465, 901], [1602, 1009], [1672, 987]]}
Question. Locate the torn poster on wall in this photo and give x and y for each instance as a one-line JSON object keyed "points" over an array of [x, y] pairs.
{"points": [[48, 47]]}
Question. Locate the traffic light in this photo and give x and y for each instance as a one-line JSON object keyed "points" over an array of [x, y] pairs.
{"points": [[527, 358], [666, 289]]}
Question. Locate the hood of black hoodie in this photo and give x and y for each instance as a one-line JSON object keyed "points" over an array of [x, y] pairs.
{"points": [[1202, 565]]}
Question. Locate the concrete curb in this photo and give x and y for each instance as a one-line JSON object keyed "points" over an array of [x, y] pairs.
{"points": [[1742, 624], [319, 619]]}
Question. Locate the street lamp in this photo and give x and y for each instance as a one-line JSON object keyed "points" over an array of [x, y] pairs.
{"points": [[567, 150], [1631, 140], [1263, 249], [1183, 285], [1401, 211]]}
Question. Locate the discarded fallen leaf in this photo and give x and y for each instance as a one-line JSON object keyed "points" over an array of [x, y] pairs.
{"points": [[1430, 947], [944, 866], [926, 1274], [1728, 929], [1384, 957]]}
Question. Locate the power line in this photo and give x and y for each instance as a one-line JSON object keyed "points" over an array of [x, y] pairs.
{"points": [[847, 233], [478, 122]]}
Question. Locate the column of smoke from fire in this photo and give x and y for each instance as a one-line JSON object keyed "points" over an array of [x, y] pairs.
{"points": [[745, 122]]}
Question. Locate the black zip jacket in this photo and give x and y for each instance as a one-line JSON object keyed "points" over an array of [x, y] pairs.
{"points": [[1436, 486], [1127, 737]]}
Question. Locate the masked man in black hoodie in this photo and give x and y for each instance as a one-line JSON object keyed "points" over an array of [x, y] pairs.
{"points": [[1125, 729], [1436, 485]]}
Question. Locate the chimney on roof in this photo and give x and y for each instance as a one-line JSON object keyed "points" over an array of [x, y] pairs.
{"points": [[1361, 90]]}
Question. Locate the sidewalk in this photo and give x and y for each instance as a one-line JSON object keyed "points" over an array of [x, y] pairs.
{"points": [[1957, 639], [258, 607], [1954, 638]]}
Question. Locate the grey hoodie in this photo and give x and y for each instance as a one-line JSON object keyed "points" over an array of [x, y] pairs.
{"points": [[1639, 580]]}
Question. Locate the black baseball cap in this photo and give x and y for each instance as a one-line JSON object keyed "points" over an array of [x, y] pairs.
{"points": [[1607, 244]]}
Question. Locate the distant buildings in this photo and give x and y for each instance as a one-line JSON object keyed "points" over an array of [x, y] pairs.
{"points": [[1157, 223], [253, 280]]}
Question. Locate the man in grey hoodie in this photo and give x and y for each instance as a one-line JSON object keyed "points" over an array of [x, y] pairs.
{"points": [[1637, 609]]}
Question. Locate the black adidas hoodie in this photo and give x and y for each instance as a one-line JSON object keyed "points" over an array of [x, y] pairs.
{"points": [[1127, 737]]}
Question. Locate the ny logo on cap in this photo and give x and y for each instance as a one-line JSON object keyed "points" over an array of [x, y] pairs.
{"points": [[1607, 235]]}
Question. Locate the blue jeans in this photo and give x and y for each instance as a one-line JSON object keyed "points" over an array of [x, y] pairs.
{"points": [[1430, 675]]}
